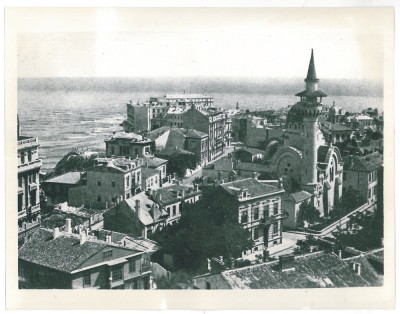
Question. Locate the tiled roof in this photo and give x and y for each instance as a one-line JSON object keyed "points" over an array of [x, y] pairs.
{"points": [[169, 195], [251, 150], [375, 158], [299, 196], [254, 187], [249, 166], [149, 212], [335, 127], [315, 270], [367, 163], [66, 178], [129, 242], [153, 162], [63, 253]]}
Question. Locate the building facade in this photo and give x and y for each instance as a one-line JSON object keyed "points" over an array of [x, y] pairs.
{"points": [[28, 186], [211, 122], [128, 145], [53, 259], [111, 181], [259, 210]]}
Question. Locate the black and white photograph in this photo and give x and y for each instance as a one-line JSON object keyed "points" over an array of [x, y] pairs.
{"points": [[201, 149]]}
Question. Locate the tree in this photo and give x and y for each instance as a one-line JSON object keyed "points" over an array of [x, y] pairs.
{"points": [[179, 162], [307, 213], [351, 199], [206, 229]]}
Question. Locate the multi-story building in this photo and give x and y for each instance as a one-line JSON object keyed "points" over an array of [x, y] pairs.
{"points": [[335, 132], [211, 122], [53, 259], [127, 144], [155, 163], [187, 139], [186, 100], [150, 179], [259, 210], [56, 188], [362, 173], [28, 186], [173, 197], [111, 181]]}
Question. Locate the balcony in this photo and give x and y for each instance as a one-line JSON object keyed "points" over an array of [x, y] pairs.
{"points": [[30, 165], [27, 142], [145, 268], [271, 219], [22, 213], [35, 208]]}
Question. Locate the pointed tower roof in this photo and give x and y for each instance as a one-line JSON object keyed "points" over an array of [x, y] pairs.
{"points": [[311, 75]]}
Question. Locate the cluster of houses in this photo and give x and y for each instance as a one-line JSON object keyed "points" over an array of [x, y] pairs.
{"points": [[97, 235]]}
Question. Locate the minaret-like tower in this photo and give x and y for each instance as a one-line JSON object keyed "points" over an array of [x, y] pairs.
{"points": [[311, 109]]}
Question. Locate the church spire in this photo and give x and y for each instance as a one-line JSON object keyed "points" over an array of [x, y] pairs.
{"points": [[311, 75]]}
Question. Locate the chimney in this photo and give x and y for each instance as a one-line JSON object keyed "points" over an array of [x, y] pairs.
{"points": [[68, 225], [196, 187], [265, 256], [357, 268], [183, 193], [280, 183], [221, 258], [82, 238], [56, 233], [233, 262], [351, 161], [255, 175], [208, 264], [137, 205], [339, 254], [286, 262]]}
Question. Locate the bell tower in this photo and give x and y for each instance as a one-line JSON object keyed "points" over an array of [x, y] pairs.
{"points": [[311, 109]]}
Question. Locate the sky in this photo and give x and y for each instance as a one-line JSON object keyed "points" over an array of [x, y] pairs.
{"points": [[202, 42]]}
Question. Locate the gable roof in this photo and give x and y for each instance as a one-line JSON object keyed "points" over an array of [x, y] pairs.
{"points": [[357, 163], [299, 196], [153, 162], [72, 177], [149, 212], [170, 194], [65, 253], [315, 270], [170, 151], [249, 166], [253, 187]]}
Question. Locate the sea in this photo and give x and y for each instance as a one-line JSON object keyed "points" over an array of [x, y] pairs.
{"points": [[68, 114]]}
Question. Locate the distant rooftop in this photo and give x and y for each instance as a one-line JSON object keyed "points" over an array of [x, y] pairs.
{"points": [[173, 194], [254, 188], [187, 96]]}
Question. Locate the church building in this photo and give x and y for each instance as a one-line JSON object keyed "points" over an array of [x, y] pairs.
{"points": [[303, 156]]}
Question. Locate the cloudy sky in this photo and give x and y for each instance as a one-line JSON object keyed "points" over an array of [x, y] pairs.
{"points": [[201, 42]]}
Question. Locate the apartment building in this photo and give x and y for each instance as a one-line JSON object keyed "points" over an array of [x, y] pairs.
{"points": [[111, 181], [29, 165], [259, 210]]}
